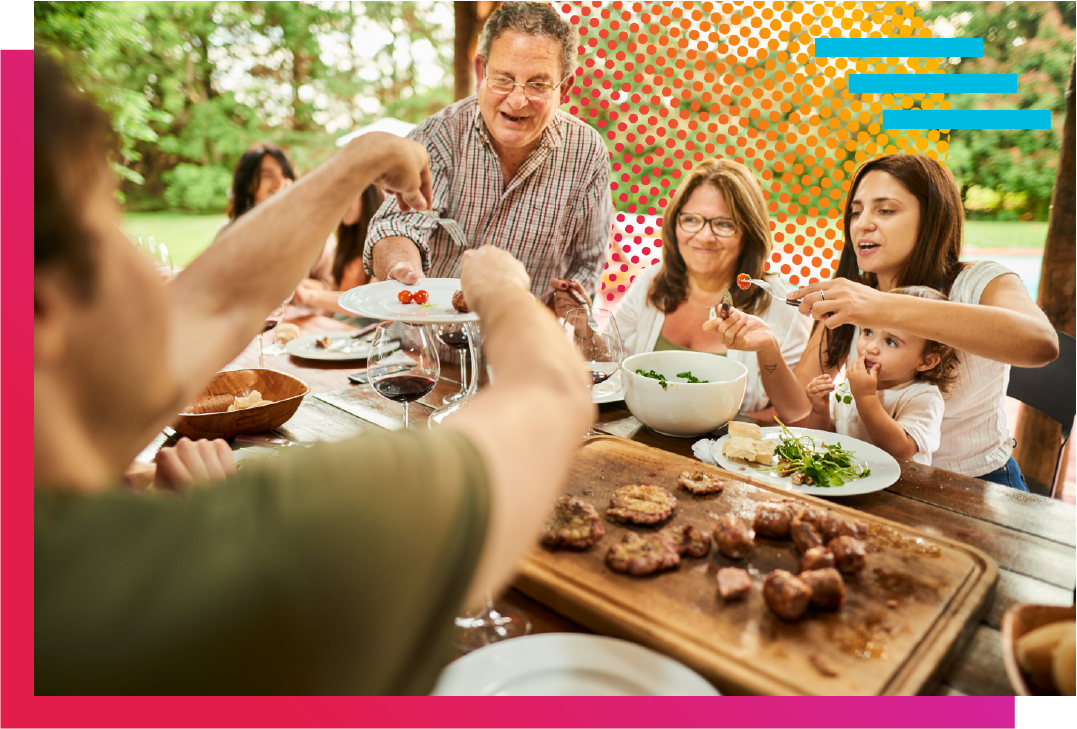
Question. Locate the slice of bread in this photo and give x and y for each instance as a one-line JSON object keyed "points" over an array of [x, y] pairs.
{"points": [[764, 451], [738, 447], [744, 430]]}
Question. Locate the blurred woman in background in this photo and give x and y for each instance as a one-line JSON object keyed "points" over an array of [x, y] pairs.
{"points": [[263, 169]]}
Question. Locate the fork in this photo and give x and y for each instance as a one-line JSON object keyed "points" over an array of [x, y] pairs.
{"points": [[450, 226], [766, 287]]}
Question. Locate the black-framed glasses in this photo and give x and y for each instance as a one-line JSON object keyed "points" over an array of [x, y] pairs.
{"points": [[533, 90], [693, 223]]}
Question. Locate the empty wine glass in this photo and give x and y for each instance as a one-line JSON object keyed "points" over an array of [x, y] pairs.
{"points": [[403, 362], [593, 332], [494, 621], [455, 336], [272, 320]]}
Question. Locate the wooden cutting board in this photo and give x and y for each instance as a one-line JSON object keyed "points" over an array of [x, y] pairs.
{"points": [[917, 599]]}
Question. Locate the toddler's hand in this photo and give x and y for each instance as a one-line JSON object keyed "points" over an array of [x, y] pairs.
{"points": [[818, 392], [863, 382]]}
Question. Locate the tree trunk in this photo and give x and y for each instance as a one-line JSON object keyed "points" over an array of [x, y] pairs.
{"points": [[469, 20], [1037, 435]]}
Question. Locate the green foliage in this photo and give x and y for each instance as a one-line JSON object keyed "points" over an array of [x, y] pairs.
{"points": [[1035, 41], [197, 187]]}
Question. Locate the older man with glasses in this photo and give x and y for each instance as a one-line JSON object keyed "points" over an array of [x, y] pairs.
{"points": [[510, 168]]}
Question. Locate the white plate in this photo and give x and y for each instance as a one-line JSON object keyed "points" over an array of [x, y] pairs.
{"points": [[379, 301], [608, 391], [569, 664], [343, 347], [884, 469]]}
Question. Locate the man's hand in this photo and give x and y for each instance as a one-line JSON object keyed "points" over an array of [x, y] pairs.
{"points": [[819, 391], [194, 460], [487, 273], [863, 380], [406, 171], [568, 294]]}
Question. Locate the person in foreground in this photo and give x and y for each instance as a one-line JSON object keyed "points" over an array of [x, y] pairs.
{"points": [[336, 571], [511, 168], [716, 227], [893, 393]]}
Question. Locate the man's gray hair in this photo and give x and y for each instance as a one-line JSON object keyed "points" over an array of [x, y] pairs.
{"points": [[533, 19]]}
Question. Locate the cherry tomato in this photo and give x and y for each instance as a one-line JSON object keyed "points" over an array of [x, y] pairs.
{"points": [[420, 297], [744, 281], [405, 297]]}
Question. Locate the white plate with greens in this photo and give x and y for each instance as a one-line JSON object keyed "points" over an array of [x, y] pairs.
{"points": [[883, 469]]}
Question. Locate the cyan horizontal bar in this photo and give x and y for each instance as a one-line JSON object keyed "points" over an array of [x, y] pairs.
{"points": [[931, 83], [899, 47], [909, 119]]}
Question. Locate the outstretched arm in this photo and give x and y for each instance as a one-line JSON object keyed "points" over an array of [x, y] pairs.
{"points": [[219, 302], [529, 423]]}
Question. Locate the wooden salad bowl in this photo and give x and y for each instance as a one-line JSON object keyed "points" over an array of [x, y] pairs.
{"points": [[208, 416], [1021, 619]]}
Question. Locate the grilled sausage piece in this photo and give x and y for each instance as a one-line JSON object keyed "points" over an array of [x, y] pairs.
{"points": [[786, 594], [733, 583], [817, 558], [574, 524], [772, 520], [834, 526], [849, 554], [643, 555], [689, 540], [827, 588], [804, 535], [733, 537]]}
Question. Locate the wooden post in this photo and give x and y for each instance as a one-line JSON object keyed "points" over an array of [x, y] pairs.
{"points": [[469, 20], [1037, 435]]}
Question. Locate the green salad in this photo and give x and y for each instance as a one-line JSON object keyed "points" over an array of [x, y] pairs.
{"points": [[688, 377], [824, 465]]}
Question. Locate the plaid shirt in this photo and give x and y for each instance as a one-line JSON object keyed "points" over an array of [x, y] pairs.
{"points": [[554, 215]]}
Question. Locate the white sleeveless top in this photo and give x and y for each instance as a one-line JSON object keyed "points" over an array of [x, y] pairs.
{"points": [[975, 437]]}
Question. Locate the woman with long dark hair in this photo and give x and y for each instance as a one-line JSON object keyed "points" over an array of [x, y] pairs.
{"points": [[903, 227], [262, 170], [341, 265]]}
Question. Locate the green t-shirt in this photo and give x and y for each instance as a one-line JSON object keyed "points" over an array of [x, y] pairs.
{"points": [[334, 570]]}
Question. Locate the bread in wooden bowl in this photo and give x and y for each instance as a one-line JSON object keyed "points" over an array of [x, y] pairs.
{"points": [[208, 416], [1022, 620]]}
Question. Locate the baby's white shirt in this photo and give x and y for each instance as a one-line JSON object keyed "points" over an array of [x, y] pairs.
{"points": [[917, 407]]}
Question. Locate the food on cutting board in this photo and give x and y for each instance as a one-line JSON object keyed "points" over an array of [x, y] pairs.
{"points": [[786, 595], [816, 558], [733, 537], [733, 583], [698, 482], [849, 554], [574, 524], [773, 519], [804, 535], [827, 588], [745, 443], [643, 554], [1046, 656], [641, 504], [689, 540]]}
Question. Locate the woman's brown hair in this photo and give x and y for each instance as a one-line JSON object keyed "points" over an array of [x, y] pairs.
{"points": [[749, 211], [935, 258], [944, 373], [352, 238], [248, 175]]}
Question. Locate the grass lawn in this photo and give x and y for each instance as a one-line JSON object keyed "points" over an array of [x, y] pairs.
{"points": [[185, 235], [990, 234]]}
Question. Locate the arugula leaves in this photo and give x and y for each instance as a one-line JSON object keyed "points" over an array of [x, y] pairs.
{"points": [[830, 465], [688, 376]]}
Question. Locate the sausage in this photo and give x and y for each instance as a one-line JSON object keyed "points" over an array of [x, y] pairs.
{"points": [[817, 558], [849, 554], [827, 588], [733, 583], [833, 526], [772, 520], [786, 594], [733, 537], [804, 535]]}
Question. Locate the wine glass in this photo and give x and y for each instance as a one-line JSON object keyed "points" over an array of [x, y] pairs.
{"points": [[455, 336], [272, 320], [494, 621], [158, 253], [593, 332], [403, 362]]}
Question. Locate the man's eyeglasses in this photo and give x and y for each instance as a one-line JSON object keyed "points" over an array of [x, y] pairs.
{"points": [[693, 223], [533, 90]]}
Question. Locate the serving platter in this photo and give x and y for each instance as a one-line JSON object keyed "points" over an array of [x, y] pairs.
{"points": [[918, 599], [379, 301], [884, 470]]}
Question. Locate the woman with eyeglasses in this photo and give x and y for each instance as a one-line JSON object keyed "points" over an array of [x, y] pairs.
{"points": [[716, 227]]}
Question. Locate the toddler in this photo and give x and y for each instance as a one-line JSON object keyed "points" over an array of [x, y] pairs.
{"points": [[893, 394]]}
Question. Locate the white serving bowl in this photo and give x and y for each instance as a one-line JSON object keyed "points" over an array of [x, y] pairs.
{"points": [[683, 409]]}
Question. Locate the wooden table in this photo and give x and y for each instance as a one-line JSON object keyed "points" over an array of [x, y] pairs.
{"points": [[1032, 538]]}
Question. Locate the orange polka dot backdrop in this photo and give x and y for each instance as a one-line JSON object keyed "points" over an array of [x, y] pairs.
{"points": [[670, 84]]}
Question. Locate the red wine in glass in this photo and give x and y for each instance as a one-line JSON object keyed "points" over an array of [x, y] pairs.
{"points": [[456, 340], [597, 378], [270, 323], [405, 388], [455, 336]]}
